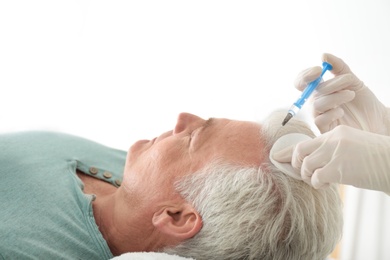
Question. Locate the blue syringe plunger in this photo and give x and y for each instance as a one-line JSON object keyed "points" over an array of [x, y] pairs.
{"points": [[306, 94]]}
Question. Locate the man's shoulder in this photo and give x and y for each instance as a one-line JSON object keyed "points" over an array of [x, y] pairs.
{"points": [[52, 141]]}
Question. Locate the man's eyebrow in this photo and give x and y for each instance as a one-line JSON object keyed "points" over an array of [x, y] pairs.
{"points": [[208, 123]]}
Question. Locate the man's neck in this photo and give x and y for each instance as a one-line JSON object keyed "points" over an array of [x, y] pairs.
{"points": [[123, 228]]}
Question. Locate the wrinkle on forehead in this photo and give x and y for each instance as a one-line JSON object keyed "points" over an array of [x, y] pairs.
{"points": [[242, 144], [249, 146]]}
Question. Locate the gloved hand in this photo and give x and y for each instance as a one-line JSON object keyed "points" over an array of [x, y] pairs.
{"points": [[344, 155], [344, 100]]}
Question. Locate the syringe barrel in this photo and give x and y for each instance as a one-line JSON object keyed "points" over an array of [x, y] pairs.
{"points": [[307, 92]]}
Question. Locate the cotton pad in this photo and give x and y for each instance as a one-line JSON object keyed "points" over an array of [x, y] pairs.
{"points": [[283, 142]]}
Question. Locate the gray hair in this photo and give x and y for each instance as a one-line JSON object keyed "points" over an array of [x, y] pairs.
{"points": [[259, 212]]}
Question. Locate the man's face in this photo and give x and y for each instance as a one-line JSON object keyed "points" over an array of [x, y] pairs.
{"points": [[152, 166]]}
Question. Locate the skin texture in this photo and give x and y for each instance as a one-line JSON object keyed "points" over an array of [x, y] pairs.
{"points": [[193, 143], [146, 213]]}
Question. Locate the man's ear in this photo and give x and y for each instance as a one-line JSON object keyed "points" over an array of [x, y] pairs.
{"points": [[181, 221]]}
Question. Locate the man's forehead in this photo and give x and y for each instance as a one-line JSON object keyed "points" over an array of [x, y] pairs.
{"points": [[245, 142]]}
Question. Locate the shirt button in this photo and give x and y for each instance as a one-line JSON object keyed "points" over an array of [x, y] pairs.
{"points": [[93, 170], [107, 175], [118, 182]]}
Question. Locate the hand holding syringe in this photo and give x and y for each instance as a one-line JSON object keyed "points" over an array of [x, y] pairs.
{"points": [[305, 94]]}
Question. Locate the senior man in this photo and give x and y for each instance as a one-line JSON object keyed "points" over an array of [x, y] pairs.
{"points": [[204, 190]]}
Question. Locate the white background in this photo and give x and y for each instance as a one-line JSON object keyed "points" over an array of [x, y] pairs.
{"points": [[119, 71]]}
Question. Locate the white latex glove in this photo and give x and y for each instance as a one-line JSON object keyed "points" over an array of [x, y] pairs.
{"points": [[344, 155], [343, 100]]}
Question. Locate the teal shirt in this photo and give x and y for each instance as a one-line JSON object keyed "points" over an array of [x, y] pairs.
{"points": [[44, 213]]}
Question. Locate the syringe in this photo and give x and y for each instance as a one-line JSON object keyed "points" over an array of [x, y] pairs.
{"points": [[306, 94]]}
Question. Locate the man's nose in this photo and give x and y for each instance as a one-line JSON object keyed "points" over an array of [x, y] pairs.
{"points": [[187, 122]]}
